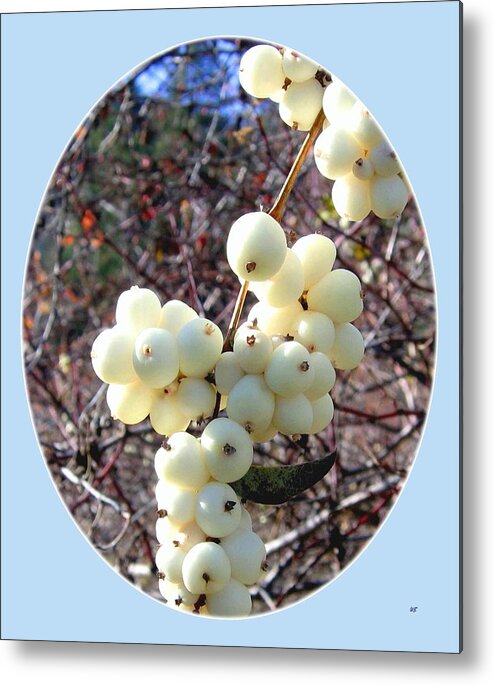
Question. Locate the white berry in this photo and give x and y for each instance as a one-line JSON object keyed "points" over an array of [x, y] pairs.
{"points": [[137, 309], [227, 450], [338, 295], [218, 510], [131, 403], [252, 349], [388, 196], [175, 314], [165, 413], [247, 554], [323, 411], [348, 348], [301, 103], [260, 71], [196, 398], [232, 601], [181, 462], [251, 403], [111, 356], [227, 373], [317, 254], [285, 286], [206, 568], [156, 357], [335, 151], [200, 343], [289, 371], [256, 246], [293, 415]]}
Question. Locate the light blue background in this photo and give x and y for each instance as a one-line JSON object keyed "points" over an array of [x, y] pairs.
{"points": [[402, 60]]}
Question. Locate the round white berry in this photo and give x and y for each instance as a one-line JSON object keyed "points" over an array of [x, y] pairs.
{"points": [[256, 246], [218, 509], [227, 373], [169, 559], [384, 159], [252, 349], [335, 151], [338, 295], [296, 67], [285, 286], [337, 102], [176, 594], [245, 520], [178, 504], [317, 254], [363, 169], [351, 197], [363, 126], [251, 403], [206, 568], [260, 71], [388, 196], [289, 371], [200, 343], [314, 330], [348, 348], [324, 376], [184, 535], [232, 601], [130, 403], [165, 413], [293, 415], [265, 435], [323, 412], [301, 103], [181, 462], [111, 356], [174, 315], [247, 554], [196, 398], [275, 320], [156, 357], [227, 450], [137, 309]]}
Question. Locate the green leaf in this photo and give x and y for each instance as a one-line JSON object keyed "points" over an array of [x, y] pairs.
{"points": [[278, 484]]}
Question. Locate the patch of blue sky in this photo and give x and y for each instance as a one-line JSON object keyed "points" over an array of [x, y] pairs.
{"points": [[201, 85]]}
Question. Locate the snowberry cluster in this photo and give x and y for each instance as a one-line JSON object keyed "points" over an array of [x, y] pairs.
{"points": [[351, 150], [208, 554], [155, 360], [276, 377], [281, 370], [294, 82], [273, 374]]}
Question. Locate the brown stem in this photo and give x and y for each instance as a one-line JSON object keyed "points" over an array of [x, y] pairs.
{"points": [[278, 208], [236, 316]]}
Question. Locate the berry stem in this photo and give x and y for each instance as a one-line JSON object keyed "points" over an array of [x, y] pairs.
{"points": [[276, 212], [278, 208], [228, 344]]}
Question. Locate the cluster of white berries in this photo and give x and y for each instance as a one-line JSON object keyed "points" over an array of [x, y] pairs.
{"points": [[282, 367], [294, 82], [168, 363], [351, 150], [273, 374], [208, 554], [155, 360]]}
